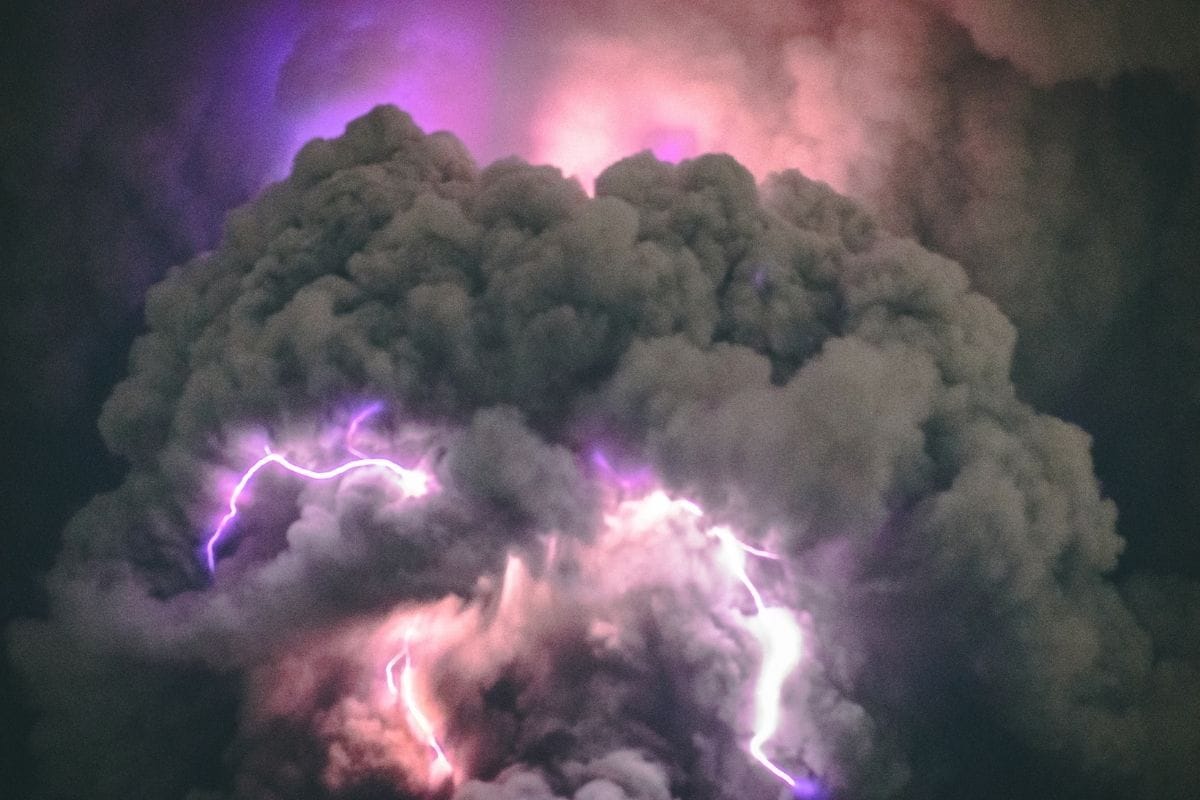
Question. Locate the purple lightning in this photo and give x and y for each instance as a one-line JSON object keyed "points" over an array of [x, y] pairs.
{"points": [[413, 482], [627, 480], [359, 419]]}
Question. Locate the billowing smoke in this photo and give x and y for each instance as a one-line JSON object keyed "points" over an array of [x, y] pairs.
{"points": [[836, 393], [1051, 149], [800, 365]]}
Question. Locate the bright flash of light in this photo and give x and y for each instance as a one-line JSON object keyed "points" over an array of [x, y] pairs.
{"points": [[406, 693], [413, 482], [778, 635], [781, 642]]}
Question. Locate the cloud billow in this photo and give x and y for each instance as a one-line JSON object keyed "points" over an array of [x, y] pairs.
{"points": [[769, 350]]}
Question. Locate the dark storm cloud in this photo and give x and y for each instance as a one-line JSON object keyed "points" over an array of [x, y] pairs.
{"points": [[1053, 41], [954, 543], [770, 349], [121, 135], [1050, 148]]}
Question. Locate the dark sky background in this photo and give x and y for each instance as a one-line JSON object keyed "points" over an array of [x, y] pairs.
{"points": [[1063, 171]]}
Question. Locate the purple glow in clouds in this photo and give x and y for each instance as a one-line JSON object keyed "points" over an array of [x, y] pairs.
{"points": [[807, 788], [352, 429], [437, 61], [628, 480], [414, 482]]}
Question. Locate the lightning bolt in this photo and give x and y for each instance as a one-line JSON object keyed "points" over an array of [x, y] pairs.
{"points": [[412, 482], [405, 692], [778, 635]]}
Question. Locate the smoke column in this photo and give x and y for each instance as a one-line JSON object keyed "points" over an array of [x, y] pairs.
{"points": [[801, 365], [767, 350]]}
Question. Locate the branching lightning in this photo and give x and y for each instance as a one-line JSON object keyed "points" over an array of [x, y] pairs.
{"points": [[413, 482], [775, 628]]}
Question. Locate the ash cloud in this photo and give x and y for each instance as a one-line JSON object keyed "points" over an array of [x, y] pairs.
{"points": [[1049, 150], [770, 349]]}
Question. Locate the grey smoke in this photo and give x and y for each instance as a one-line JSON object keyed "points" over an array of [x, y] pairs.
{"points": [[769, 349]]}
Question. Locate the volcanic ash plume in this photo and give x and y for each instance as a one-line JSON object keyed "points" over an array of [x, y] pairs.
{"points": [[448, 482]]}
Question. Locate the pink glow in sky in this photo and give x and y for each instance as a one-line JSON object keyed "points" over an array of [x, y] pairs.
{"points": [[617, 96], [565, 93], [599, 110]]}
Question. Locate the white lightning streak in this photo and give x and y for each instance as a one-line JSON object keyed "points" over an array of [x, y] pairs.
{"points": [[407, 694], [781, 642]]}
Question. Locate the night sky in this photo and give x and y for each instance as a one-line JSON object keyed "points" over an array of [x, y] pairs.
{"points": [[1053, 153]]}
